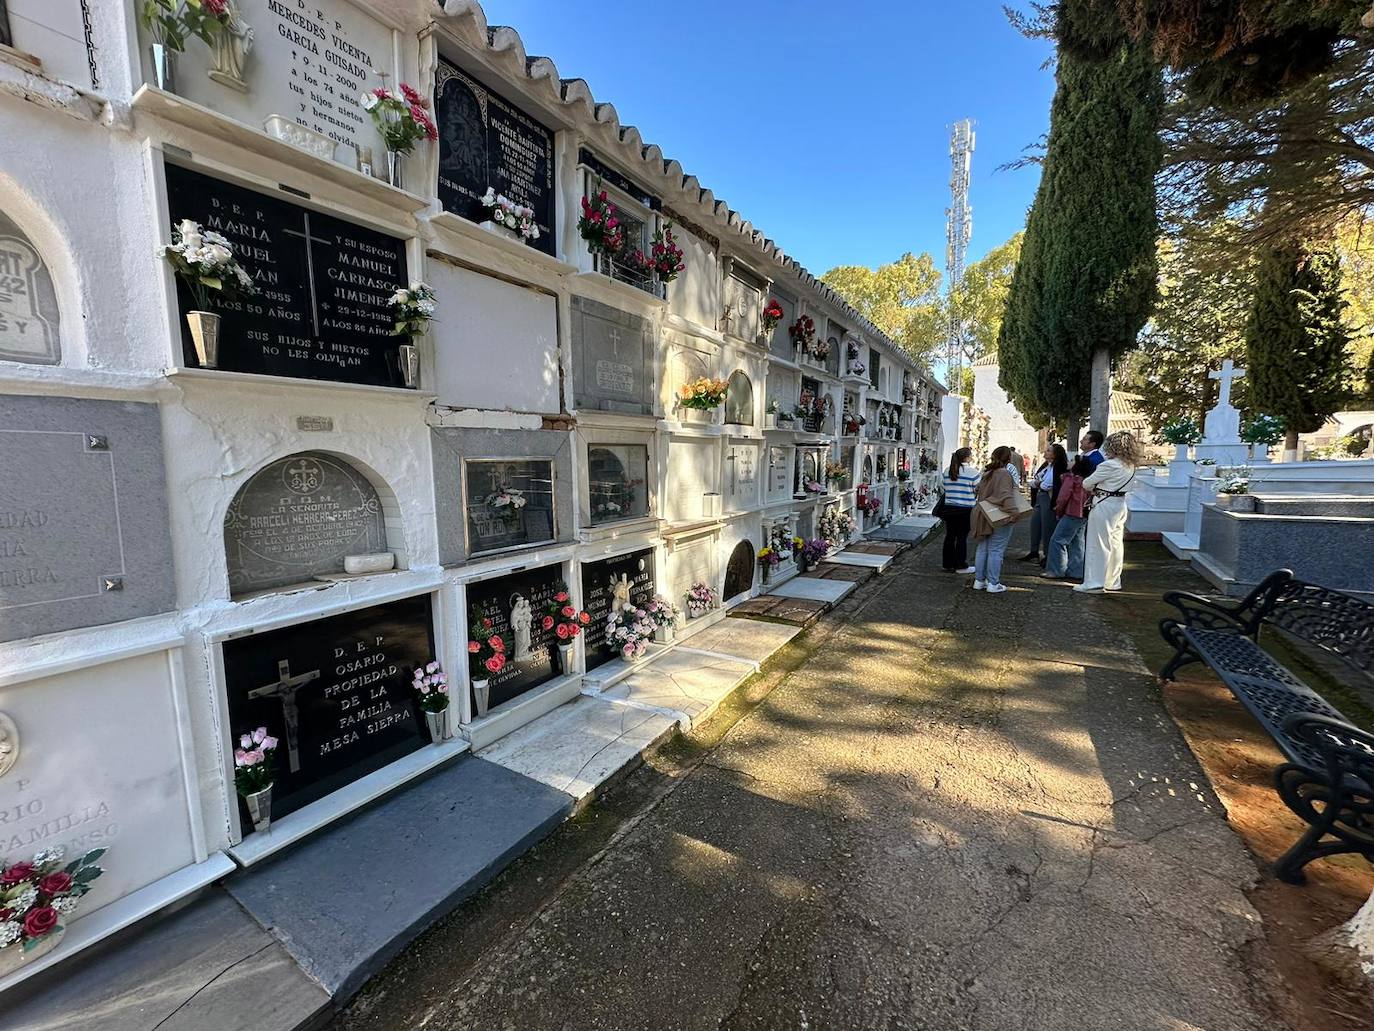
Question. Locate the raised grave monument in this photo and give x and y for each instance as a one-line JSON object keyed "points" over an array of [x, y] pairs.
{"points": [[84, 538]]}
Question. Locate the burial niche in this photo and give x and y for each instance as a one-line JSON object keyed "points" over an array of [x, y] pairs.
{"points": [[739, 572], [29, 321], [297, 519], [739, 400]]}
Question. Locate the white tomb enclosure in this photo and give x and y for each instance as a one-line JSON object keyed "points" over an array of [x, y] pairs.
{"points": [[308, 447]]}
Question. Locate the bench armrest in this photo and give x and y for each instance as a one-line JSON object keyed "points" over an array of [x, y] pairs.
{"points": [[1335, 739], [1207, 614]]}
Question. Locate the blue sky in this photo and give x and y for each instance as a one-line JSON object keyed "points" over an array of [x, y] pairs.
{"points": [[829, 131]]}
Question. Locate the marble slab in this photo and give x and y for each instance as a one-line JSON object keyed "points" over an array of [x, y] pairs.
{"points": [[681, 684], [579, 746], [811, 589], [858, 558], [747, 639]]}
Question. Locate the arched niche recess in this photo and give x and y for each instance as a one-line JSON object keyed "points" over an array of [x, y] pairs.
{"points": [[297, 518], [739, 571], [739, 399], [30, 322], [686, 366]]}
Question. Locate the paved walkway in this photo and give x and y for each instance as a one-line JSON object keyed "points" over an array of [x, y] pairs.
{"points": [[961, 812]]}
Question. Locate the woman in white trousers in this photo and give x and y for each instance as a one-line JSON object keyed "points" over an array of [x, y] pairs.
{"points": [[1104, 550]]}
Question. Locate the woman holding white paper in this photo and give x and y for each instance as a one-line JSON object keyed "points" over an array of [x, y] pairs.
{"points": [[994, 513]]}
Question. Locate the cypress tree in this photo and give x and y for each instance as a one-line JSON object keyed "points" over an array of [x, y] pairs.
{"points": [[1295, 338], [1086, 281]]}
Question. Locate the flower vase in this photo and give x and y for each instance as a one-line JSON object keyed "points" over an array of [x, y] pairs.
{"points": [[439, 725], [15, 956], [481, 696], [497, 229], [205, 335], [395, 168], [164, 66], [408, 357], [565, 659], [1180, 452], [259, 805], [664, 635], [1259, 454], [696, 611]]}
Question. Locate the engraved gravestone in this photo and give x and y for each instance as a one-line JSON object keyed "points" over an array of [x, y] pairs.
{"points": [[29, 321], [613, 359], [485, 141], [532, 661], [84, 538], [297, 518], [322, 308], [598, 589], [336, 694]]}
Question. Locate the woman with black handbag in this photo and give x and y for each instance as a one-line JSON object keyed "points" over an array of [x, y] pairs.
{"points": [[955, 507]]}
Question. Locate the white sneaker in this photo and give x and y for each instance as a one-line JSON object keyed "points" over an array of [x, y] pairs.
{"points": [[996, 588], [978, 585], [968, 569], [1085, 589]]}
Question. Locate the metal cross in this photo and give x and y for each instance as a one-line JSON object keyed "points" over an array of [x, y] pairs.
{"points": [[1228, 373], [309, 265], [285, 690]]}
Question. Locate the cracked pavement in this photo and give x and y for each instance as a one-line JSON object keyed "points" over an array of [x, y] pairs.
{"points": [[961, 811]]}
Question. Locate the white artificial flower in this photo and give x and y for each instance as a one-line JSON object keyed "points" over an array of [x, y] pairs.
{"points": [[213, 237], [219, 255], [9, 933], [489, 198], [426, 307], [24, 900], [66, 904], [49, 855], [369, 101]]}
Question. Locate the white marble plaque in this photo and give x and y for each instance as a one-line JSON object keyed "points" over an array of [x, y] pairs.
{"points": [[690, 563], [308, 60], [779, 473], [740, 485], [689, 477], [100, 767]]}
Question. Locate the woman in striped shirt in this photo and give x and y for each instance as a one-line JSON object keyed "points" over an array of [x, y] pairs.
{"points": [[960, 483]]}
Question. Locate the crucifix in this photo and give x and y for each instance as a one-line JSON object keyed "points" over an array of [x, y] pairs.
{"points": [[285, 690], [1225, 376], [309, 265], [615, 341]]}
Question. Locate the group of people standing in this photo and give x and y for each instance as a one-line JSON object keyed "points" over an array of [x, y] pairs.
{"points": [[1077, 511]]}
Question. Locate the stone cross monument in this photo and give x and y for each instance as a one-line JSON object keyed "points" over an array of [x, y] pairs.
{"points": [[1221, 430]]}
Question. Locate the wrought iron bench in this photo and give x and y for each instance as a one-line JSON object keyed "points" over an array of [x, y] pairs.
{"points": [[1328, 779]]}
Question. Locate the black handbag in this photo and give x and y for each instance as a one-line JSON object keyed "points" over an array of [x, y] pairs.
{"points": [[938, 511]]}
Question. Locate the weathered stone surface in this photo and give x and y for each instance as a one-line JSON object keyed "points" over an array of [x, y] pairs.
{"points": [[614, 355]]}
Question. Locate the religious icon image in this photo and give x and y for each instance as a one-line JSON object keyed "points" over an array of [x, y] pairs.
{"points": [[9, 744], [520, 622], [231, 47], [284, 690]]}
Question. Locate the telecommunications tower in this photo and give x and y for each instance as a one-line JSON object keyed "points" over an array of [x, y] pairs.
{"points": [[958, 231]]}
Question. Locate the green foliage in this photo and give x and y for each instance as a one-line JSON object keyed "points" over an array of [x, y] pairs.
{"points": [[901, 298], [1087, 275], [1182, 431], [174, 22], [981, 299], [1295, 338], [1262, 429]]}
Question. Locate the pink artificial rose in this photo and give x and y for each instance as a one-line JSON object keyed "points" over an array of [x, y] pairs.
{"points": [[240, 757], [569, 612], [585, 618], [269, 743], [494, 664], [259, 734], [573, 629], [548, 622], [245, 741], [561, 596], [16, 874], [56, 883], [40, 921], [474, 647], [562, 631], [497, 645]]}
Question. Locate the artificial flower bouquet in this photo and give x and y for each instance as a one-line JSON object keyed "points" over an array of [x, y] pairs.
{"points": [[851, 350], [563, 619], [820, 349], [769, 559], [431, 686], [36, 894], [664, 259], [486, 648], [254, 765], [506, 502], [802, 333], [836, 472], [662, 612], [205, 261], [629, 631], [412, 307], [172, 23], [772, 315], [599, 226], [814, 550], [836, 526], [510, 215], [814, 487], [856, 367], [400, 117], [1234, 480], [704, 393], [701, 599]]}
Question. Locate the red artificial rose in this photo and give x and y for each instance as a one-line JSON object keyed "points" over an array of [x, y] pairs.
{"points": [[562, 631], [474, 647], [16, 873], [569, 612], [494, 664], [561, 596], [497, 645], [56, 883], [487, 623], [40, 921], [585, 618], [574, 629], [548, 622], [6, 914]]}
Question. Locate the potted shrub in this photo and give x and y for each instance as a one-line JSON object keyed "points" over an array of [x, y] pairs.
{"points": [[431, 685], [1233, 490], [566, 622], [254, 761], [204, 260], [35, 896], [1182, 433], [486, 658], [1262, 432]]}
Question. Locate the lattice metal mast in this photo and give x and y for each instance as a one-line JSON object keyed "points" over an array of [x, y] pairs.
{"points": [[958, 232]]}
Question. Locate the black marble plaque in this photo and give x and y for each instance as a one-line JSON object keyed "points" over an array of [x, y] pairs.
{"points": [[336, 694], [324, 285], [298, 517], [486, 141], [599, 580], [532, 652]]}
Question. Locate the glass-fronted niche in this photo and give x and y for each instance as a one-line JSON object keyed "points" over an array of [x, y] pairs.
{"points": [[508, 503], [617, 482], [636, 212]]}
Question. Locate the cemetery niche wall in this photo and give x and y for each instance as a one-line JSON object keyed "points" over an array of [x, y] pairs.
{"points": [[614, 357], [486, 142], [84, 536], [299, 518], [322, 308], [608, 586], [617, 482], [516, 604], [30, 324], [336, 694]]}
